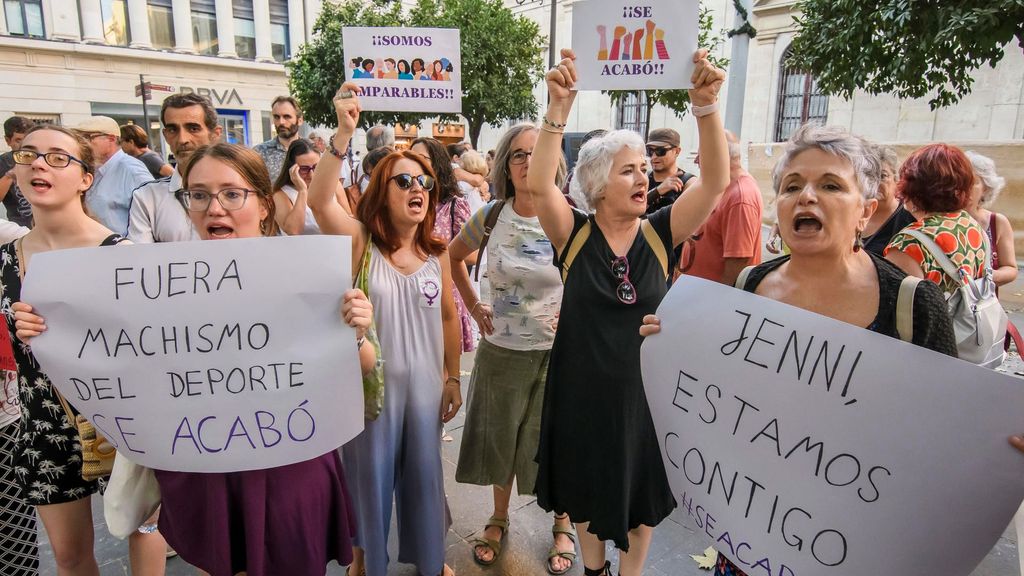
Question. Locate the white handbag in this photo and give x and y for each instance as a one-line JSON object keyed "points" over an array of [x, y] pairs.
{"points": [[131, 497]]}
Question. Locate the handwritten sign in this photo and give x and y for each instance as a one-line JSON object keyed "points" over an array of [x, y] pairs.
{"points": [[405, 69], [634, 45], [204, 356], [803, 446]]}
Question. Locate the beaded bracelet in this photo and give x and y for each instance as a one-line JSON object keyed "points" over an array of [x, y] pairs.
{"points": [[553, 124], [334, 151]]}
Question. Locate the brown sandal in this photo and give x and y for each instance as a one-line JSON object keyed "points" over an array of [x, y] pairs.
{"points": [[555, 553], [493, 545]]}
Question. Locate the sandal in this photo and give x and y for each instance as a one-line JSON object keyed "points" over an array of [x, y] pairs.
{"points": [[348, 571], [555, 553], [605, 570], [493, 545]]}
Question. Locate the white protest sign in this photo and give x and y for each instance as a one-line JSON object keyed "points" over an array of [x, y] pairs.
{"points": [[645, 45], [804, 446], [405, 69], [204, 356]]}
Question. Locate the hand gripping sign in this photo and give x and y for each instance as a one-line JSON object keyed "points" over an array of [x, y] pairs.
{"points": [[204, 356], [634, 45], [405, 69], [804, 446]]}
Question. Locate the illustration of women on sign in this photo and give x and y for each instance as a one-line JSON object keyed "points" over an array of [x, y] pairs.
{"points": [[388, 71], [419, 70], [437, 71], [403, 70]]}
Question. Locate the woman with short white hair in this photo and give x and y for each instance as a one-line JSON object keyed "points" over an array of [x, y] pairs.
{"points": [[987, 186], [599, 459]]}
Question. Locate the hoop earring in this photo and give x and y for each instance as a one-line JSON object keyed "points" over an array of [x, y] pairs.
{"points": [[263, 227], [858, 244]]}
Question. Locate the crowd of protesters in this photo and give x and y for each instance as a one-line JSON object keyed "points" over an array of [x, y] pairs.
{"points": [[552, 278]]}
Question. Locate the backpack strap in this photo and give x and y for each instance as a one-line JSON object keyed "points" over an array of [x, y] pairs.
{"points": [[741, 280], [493, 211], [654, 241], [905, 308], [574, 248], [951, 270]]}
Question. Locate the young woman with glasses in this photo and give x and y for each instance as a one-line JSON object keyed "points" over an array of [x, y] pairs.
{"points": [[599, 459], [398, 455], [291, 188], [291, 519]]}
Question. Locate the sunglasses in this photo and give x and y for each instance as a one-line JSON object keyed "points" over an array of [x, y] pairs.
{"points": [[406, 181], [657, 151], [306, 170], [626, 293]]}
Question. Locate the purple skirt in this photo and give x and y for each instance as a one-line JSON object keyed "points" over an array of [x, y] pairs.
{"points": [[290, 520]]}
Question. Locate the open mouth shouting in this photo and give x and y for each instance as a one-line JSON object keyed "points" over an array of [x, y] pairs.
{"points": [[806, 224], [219, 230], [40, 185]]}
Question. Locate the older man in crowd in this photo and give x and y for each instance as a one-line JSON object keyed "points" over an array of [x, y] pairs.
{"points": [[158, 215], [287, 118], [730, 239], [117, 174]]}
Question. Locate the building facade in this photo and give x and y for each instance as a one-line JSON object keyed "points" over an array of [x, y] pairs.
{"points": [[64, 60]]}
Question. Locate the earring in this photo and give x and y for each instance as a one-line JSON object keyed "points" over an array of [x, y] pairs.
{"points": [[263, 227], [859, 242]]}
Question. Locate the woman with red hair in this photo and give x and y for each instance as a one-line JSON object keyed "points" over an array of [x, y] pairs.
{"points": [[397, 457], [935, 185]]}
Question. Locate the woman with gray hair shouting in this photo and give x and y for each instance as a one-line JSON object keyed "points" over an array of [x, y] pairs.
{"points": [[599, 459], [825, 185]]}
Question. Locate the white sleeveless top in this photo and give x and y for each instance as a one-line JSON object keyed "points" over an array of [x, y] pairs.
{"points": [[311, 227]]}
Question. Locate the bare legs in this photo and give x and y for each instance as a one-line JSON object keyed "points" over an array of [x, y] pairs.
{"points": [[69, 527], [502, 496], [630, 563]]}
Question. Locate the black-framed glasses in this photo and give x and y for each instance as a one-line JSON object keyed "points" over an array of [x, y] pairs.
{"points": [[54, 159], [406, 181], [626, 293], [519, 157], [306, 170], [228, 198], [658, 151]]}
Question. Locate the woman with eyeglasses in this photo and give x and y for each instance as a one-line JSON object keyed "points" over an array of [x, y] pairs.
{"points": [[517, 319], [599, 459], [291, 519], [397, 457], [291, 188], [54, 169]]}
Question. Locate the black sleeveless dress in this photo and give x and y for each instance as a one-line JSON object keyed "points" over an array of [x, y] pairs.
{"points": [[47, 457], [599, 459]]}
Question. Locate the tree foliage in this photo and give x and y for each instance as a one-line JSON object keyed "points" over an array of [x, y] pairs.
{"points": [[501, 59], [908, 48], [678, 101]]}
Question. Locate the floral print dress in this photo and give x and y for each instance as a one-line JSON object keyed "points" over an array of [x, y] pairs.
{"points": [[451, 217]]}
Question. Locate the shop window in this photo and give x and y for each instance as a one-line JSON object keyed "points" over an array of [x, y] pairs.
{"points": [[800, 100], [24, 18], [161, 23], [115, 22], [280, 41], [631, 112], [51, 119], [245, 29], [204, 27]]}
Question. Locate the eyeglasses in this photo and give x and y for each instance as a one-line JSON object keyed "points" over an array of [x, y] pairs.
{"points": [[657, 151], [406, 181], [306, 170], [519, 157], [228, 198], [625, 292], [54, 159]]}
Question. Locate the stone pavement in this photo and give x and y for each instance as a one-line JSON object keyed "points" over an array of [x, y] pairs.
{"points": [[530, 535]]}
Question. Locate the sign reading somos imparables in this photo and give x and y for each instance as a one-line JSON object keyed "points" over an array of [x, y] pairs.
{"points": [[804, 446], [204, 356]]}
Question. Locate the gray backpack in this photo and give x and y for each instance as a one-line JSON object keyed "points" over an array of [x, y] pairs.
{"points": [[979, 320]]}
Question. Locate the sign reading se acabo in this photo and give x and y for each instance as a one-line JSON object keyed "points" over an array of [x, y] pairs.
{"points": [[405, 69], [204, 356], [804, 446], [634, 45]]}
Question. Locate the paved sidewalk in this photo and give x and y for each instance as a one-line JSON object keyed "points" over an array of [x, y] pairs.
{"points": [[530, 535]]}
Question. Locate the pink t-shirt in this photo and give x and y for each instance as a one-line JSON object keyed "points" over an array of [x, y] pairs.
{"points": [[732, 231]]}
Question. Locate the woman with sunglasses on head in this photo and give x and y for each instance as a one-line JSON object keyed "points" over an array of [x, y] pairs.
{"points": [[397, 457], [291, 187], [291, 519], [54, 169], [599, 459]]}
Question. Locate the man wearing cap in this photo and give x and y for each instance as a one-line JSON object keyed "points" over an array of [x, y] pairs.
{"points": [[117, 173], [666, 181]]}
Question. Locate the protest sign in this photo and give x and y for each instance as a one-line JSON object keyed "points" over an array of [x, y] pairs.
{"points": [[634, 45], [204, 356], [405, 69], [804, 446]]}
